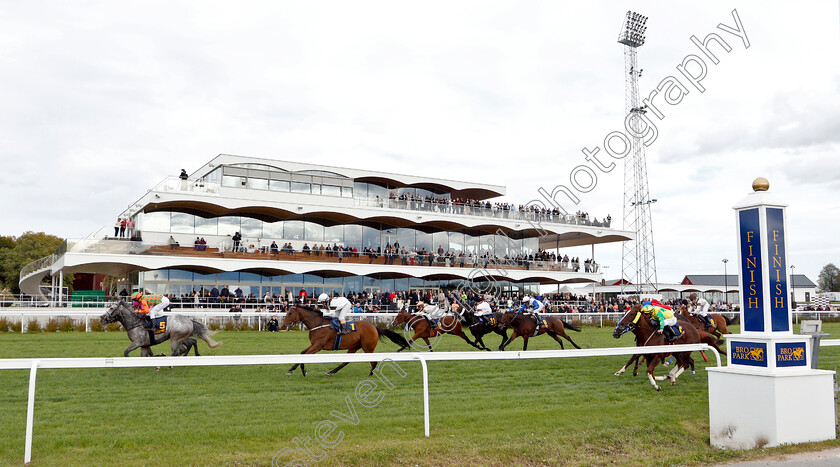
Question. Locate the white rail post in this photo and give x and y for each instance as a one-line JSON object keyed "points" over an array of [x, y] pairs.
{"points": [[30, 413], [22, 327], [425, 393], [87, 323]]}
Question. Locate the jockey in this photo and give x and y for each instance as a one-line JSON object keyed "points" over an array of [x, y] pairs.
{"points": [[483, 308], [663, 315], [337, 308], [535, 304], [142, 304], [701, 309], [429, 312]]}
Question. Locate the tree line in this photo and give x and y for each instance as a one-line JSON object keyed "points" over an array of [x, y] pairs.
{"points": [[17, 252], [829, 278]]}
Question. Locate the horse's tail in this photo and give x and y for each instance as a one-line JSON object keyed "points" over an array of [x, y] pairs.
{"points": [[394, 337], [713, 341], [205, 334], [569, 326], [731, 320]]}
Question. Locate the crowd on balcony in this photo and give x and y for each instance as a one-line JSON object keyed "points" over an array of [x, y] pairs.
{"points": [[483, 207], [440, 257]]}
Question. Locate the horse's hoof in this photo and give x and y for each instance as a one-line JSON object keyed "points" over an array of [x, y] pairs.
{"points": [[693, 372], [157, 368], [329, 373], [304, 373], [657, 388], [673, 382], [617, 373], [289, 373]]}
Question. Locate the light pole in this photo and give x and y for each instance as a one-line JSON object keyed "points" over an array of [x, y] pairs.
{"points": [[725, 285], [792, 294]]}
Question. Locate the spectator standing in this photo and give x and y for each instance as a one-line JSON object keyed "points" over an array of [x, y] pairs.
{"points": [[117, 227]]}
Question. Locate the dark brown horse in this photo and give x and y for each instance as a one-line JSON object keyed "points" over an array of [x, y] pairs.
{"points": [[422, 328], [481, 327], [646, 333], [719, 322], [323, 337], [525, 326]]}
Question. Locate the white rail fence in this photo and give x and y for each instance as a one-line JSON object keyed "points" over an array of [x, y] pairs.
{"points": [[33, 364], [260, 319]]}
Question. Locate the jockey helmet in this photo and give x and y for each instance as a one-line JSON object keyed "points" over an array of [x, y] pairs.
{"points": [[323, 298], [136, 295]]}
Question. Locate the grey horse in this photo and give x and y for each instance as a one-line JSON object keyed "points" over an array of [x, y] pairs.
{"points": [[178, 328]]}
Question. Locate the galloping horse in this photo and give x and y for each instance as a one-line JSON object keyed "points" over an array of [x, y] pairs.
{"points": [[524, 325], [719, 322], [481, 327], [178, 328], [647, 334], [449, 324], [323, 337]]}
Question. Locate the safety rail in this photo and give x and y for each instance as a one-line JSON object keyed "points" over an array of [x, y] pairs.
{"points": [[260, 318], [33, 364], [461, 209]]}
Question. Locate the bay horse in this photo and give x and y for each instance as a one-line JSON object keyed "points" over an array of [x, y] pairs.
{"points": [[480, 327], [637, 357], [719, 322], [647, 334], [523, 325], [179, 329], [449, 324], [323, 337]]}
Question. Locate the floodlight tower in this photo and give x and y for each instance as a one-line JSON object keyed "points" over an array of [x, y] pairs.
{"points": [[638, 262]]}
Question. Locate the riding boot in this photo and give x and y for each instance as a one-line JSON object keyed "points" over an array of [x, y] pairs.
{"points": [[342, 329], [708, 320], [148, 323]]}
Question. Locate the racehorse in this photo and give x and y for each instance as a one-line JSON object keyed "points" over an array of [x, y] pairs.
{"points": [[637, 357], [480, 327], [178, 328], [647, 334], [323, 337], [719, 322], [422, 327], [524, 325]]}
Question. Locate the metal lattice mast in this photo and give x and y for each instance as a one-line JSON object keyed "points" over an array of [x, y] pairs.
{"points": [[638, 261]]}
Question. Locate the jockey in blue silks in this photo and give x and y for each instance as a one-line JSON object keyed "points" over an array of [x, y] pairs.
{"points": [[536, 305]]}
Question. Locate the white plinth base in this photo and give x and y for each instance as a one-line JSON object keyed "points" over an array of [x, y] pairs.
{"points": [[750, 410]]}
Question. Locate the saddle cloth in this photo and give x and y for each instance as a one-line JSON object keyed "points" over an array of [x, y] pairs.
{"points": [[676, 331], [336, 325], [488, 319], [159, 325], [542, 322]]}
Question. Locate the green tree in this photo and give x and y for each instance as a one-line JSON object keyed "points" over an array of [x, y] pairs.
{"points": [[27, 248], [829, 278]]}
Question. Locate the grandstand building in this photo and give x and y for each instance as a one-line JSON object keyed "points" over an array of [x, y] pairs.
{"points": [[259, 225]]}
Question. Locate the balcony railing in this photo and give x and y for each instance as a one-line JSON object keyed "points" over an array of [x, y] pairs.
{"points": [[469, 210]]}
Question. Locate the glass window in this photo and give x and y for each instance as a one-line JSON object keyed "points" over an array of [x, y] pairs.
{"points": [[228, 225], [361, 189], [205, 278], [206, 226], [485, 243], [330, 190], [406, 238], [154, 222], [370, 238], [179, 275], [313, 231], [352, 284], [316, 189], [334, 233], [376, 190], [530, 245], [401, 285], [182, 223], [293, 230], [471, 244], [278, 185], [214, 176], [258, 183], [347, 192], [456, 241], [159, 275], [273, 229], [232, 181], [311, 279], [298, 187], [503, 245], [249, 277], [424, 240], [440, 239], [353, 236], [251, 227]]}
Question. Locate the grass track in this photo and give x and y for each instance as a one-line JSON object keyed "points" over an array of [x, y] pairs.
{"points": [[536, 412]]}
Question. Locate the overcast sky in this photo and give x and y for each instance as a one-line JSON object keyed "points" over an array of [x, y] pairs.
{"points": [[101, 100]]}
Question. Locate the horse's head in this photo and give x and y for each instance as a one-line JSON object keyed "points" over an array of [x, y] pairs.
{"points": [[628, 322], [402, 317], [506, 319], [113, 313], [292, 317]]}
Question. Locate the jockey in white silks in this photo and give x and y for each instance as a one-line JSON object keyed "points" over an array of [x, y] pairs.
{"points": [[429, 311], [701, 309], [337, 308], [483, 308]]}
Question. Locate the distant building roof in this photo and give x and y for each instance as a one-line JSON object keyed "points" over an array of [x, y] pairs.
{"points": [[798, 280]]}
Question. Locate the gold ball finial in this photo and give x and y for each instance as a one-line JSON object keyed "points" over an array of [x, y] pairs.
{"points": [[761, 184]]}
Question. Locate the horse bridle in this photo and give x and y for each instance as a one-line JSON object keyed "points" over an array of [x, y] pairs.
{"points": [[304, 320]]}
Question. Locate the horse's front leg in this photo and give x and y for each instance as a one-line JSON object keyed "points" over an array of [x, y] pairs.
{"points": [[294, 367], [131, 348], [505, 344], [332, 372], [652, 362]]}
